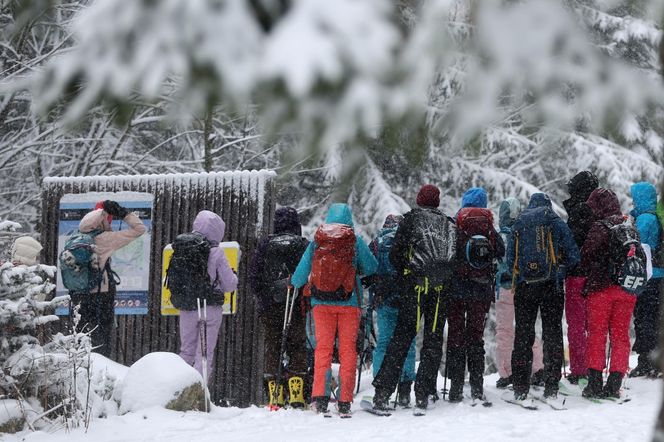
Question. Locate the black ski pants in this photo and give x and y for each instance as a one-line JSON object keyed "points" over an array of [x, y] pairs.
{"points": [[432, 307], [646, 318], [296, 349], [97, 312], [548, 298]]}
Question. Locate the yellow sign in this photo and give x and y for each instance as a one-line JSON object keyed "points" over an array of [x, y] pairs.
{"points": [[232, 251]]}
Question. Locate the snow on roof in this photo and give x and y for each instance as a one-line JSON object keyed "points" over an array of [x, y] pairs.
{"points": [[261, 175]]}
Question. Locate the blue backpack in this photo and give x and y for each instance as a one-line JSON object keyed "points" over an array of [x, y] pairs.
{"points": [[79, 263], [534, 249], [383, 246]]}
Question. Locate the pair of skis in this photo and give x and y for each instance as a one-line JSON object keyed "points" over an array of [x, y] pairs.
{"points": [[202, 333], [291, 296]]}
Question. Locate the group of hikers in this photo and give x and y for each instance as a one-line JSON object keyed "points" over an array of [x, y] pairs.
{"points": [[425, 270], [317, 299]]}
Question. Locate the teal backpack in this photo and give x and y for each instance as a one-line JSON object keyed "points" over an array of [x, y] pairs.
{"points": [[79, 264]]}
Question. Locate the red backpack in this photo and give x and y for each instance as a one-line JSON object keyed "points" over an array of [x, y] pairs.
{"points": [[332, 275], [477, 244]]}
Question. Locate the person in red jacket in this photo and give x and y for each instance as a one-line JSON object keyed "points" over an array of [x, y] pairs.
{"points": [[609, 306]]}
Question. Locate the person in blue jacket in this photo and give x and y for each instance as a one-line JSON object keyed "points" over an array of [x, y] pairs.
{"points": [[336, 318], [646, 313], [386, 302], [545, 295]]}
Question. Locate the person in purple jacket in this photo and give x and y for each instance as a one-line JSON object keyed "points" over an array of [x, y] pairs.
{"points": [[224, 280]]}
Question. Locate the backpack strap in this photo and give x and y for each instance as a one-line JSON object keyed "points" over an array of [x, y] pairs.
{"points": [[515, 269]]}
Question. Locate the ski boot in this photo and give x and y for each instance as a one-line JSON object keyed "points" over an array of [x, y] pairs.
{"points": [[613, 385], [574, 379], [551, 391], [503, 383], [456, 392], [321, 405], [276, 400], [477, 392], [343, 408], [537, 379], [381, 403], [644, 367], [296, 392], [403, 394], [421, 405], [594, 388]]}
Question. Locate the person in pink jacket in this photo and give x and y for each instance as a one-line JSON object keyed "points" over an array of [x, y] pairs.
{"points": [[224, 280], [97, 308]]}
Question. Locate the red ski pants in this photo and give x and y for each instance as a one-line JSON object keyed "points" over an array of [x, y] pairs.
{"points": [[609, 312], [329, 321]]}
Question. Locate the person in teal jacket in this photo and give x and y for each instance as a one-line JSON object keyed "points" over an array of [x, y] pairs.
{"points": [[646, 313], [332, 318]]}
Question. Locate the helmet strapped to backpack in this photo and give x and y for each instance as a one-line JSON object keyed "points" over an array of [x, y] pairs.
{"points": [[333, 271], [628, 261], [477, 242], [187, 276]]}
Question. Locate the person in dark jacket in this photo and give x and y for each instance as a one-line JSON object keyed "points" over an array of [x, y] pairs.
{"points": [[647, 312], [419, 296], [609, 306], [545, 296], [580, 219], [274, 261], [386, 305], [468, 307]]}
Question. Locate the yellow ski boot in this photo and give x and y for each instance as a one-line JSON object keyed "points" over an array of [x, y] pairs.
{"points": [[296, 392]]}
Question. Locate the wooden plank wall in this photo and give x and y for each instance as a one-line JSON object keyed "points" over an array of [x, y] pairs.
{"points": [[246, 201]]}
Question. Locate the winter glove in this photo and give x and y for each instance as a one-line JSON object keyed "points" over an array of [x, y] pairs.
{"points": [[114, 209]]}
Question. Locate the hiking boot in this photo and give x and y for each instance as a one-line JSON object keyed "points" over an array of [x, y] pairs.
{"points": [[381, 400], [343, 407], [537, 379], [403, 394], [456, 393], [321, 404], [613, 385], [594, 387], [503, 383], [574, 379], [643, 368]]}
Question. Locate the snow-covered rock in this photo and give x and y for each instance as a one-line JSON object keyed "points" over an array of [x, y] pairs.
{"points": [[164, 380], [12, 415]]}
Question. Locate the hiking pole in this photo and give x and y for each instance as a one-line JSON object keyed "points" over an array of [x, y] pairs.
{"points": [[202, 332], [608, 359], [291, 294]]}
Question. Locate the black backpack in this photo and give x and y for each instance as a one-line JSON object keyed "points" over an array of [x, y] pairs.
{"points": [[282, 255], [627, 259], [187, 276], [432, 251]]}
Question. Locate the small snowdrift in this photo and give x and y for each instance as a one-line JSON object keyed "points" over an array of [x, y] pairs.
{"points": [[155, 380]]}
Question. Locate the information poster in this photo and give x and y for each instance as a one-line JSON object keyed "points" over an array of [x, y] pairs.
{"points": [[232, 251], [131, 263]]}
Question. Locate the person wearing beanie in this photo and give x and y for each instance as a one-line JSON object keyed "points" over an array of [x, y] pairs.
{"points": [[274, 261], [423, 255], [25, 251], [479, 246], [579, 219]]}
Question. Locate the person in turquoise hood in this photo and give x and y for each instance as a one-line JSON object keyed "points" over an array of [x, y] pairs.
{"points": [[646, 313], [336, 317]]}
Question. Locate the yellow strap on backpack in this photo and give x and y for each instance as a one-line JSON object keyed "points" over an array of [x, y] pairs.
{"points": [[438, 289], [419, 290], [515, 269]]}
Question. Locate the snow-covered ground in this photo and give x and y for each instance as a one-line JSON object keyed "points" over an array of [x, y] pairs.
{"points": [[583, 421]]}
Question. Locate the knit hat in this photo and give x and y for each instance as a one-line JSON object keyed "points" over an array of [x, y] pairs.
{"points": [[428, 196], [25, 250]]}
